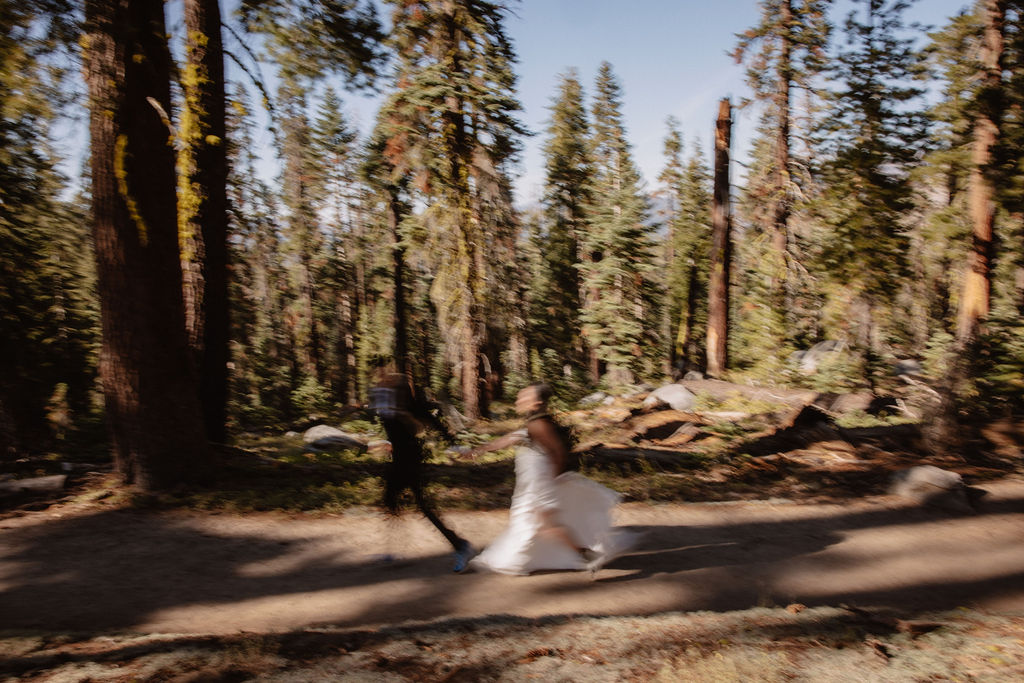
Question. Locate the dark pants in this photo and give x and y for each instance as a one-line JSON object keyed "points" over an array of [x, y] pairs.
{"points": [[405, 471]]}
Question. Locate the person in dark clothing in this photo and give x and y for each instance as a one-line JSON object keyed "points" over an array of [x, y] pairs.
{"points": [[404, 414]]}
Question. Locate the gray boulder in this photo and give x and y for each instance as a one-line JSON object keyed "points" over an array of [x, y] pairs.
{"points": [[930, 485], [456, 420], [675, 396], [693, 376], [807, 361], [326, 438], [908, 366], [593, 399], [636, 390]]}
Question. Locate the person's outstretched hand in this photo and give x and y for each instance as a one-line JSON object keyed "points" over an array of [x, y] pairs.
{"points": [[463, 452]]}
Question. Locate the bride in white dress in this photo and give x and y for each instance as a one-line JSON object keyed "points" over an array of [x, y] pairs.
{"points": [[558, 519]]}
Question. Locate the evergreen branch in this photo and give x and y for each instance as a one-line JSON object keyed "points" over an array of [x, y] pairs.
{"points": [[267, 101], [257, 79]]}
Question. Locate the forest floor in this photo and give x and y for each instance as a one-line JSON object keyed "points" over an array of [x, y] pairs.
{"points": [[773, 553]]}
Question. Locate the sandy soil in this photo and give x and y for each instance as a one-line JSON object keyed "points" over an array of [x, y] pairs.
{"points": [[88, 568]]}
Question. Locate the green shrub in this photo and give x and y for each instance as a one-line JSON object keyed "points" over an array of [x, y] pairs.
{"points": [[999, 366], [312, 398], [936, 356]]}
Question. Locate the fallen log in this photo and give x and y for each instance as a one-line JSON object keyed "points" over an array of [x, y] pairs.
{"points": [[802, 427], [609, 453]]}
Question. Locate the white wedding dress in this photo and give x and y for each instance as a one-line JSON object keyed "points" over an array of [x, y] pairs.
{"points": [[583, 506]]}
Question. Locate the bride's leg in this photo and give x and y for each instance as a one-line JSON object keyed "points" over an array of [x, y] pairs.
{"points": [[551, 526]]}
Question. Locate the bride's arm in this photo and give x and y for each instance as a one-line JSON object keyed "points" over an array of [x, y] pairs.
{"points": [[510, 439]]}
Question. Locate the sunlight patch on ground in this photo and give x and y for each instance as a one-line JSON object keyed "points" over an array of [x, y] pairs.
{"points": [[286, 611]]}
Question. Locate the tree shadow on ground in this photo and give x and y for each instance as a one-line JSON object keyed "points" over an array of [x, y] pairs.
{"points": [[738, 566], [118, 569], [830, 629]]}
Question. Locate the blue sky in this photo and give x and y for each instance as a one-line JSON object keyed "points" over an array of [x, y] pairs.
{"points": [[670, 57]]}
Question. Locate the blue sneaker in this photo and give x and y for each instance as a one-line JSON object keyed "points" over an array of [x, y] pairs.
{"points": [[462, 557]]}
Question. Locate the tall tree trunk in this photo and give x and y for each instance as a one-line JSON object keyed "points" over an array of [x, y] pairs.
{"points": [[304, 237], [721, 246], [467, 257], [314, 366], [781, 208], [148, 382], [400, 317], [205, 101], [595, 365], [473, 398], [975, 302], [344, 389], [685, 338], [668, 311]]}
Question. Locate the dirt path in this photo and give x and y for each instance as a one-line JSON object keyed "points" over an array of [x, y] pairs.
{"points": [[94, 569]]}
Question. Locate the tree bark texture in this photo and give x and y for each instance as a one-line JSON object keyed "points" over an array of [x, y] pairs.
{"points": [[400, 318], [721, 247], [975, 302], [148, 381], [781, 208], [204, 96]]}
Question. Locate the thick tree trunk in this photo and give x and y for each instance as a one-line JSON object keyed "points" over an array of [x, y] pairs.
{"points": [[204, 96], [148, 382], [975, 302], [721, 247]]}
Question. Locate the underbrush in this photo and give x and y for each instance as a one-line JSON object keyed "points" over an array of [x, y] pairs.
{"points": [[761, 644], [726, 459]]}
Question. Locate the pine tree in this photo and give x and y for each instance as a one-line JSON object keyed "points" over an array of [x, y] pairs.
{"points": [[1008, 166], [619, 320], [874, 139], [566, 197], [261, 380], [304, 239], [765, 320], [308, 40], [687, 248], [940, 241], [385, 168], [791, 38], [48, 310], [1008, 161], [338, 197], [671, 179], [454, 113]]}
